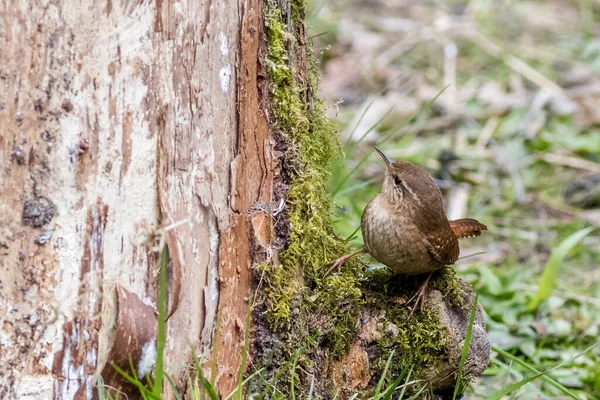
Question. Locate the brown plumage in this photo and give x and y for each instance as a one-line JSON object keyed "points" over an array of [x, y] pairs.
{"points": [[467, 227], [405, 226]]}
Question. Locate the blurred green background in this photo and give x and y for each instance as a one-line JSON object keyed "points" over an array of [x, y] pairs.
{"points": [[515, 134]]}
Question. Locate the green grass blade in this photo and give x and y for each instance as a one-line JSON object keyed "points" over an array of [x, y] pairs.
{"points": [[174, 387], [288, 364], [318, 10], [509, 389], [465, 349], [546, 378], [162, 315], [352, 235], [248, 379], [293, 375], [375, 125], [362, 115], [417, 395], [215, 349], [208, 387], [383, 375], [553, 265], [358, 186], [414, 115], [136, 382], [513, 372], [406, 383], [198, 374], [102, 395], [387, 395]]}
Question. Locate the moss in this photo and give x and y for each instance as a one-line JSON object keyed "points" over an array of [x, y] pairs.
{"points": [[280, 289], [311, 143], [417, 342], [338, 300], [298, 7], [449, 285], [298, 303]]}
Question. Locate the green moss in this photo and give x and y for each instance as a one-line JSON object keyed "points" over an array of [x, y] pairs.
{"points": [[311, 139], [417, 342], [298, 303], [281, 289], [449, 285], [338, 300], [298, 7]]}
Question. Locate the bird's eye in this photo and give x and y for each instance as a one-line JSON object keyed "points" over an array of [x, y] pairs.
{"points": [[397, 181]]}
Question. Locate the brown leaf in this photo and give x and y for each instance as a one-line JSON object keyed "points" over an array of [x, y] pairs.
{"points": [[134, 339]]}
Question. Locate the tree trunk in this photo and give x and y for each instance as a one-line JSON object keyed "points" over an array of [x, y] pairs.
{"points": [[118, 118]]}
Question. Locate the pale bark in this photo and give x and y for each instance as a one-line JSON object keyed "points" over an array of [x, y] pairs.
{"points": [[116, 118]]}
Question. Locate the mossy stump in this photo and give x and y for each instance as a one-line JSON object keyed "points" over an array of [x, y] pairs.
{"points": [[359, 370], [342, 333]]}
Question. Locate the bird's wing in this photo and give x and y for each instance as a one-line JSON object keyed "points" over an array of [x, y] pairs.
{"points": [[443, 246], [467, 227], [440, 240]]}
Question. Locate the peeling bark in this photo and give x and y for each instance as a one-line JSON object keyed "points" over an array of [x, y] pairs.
{"points": [[252, 181], [133, 343]]}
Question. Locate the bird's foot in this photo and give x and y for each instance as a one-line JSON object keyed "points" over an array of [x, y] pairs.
{"points": [[338, 263], [417, 299]]}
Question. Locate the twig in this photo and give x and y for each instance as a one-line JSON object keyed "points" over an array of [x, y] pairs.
{"points": [[487, 133], [572, 162]]}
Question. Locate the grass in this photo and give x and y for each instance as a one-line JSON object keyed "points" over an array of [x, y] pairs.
{"points": [[517, 385], [552, 268], [199, 386]]}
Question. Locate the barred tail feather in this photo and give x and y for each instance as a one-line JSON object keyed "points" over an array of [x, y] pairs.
{"points": [[467, 227]]}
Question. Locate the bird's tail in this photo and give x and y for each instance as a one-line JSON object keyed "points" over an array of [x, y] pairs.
{"points": [[467, 227]]}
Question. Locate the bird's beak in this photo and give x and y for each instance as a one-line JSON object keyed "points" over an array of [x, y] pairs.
{"points": [[385, 157]]}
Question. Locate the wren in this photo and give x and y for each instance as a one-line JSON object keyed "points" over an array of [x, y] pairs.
{"points": [[405, 226]]}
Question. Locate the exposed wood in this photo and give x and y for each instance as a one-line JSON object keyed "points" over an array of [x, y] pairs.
{"points": [[252, 181]]}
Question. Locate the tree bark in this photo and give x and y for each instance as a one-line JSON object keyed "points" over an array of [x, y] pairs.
{"points": [[119, 118]]}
